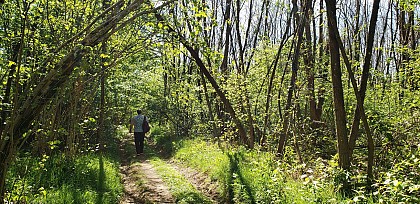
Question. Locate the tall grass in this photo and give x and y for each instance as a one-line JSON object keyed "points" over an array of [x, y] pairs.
{"points": [[253, 176], [90, 177]]}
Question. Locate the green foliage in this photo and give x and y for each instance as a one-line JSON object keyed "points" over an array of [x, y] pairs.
{"points": [[402, 183], [162, 80], [162, 140], [204, 156], [90, 178], [257, 177]]}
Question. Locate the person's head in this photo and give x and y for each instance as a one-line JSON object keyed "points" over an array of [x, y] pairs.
{"points": [[139, 111]]}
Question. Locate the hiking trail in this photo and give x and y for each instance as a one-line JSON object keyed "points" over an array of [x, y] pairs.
{"points": [[142, 184]]}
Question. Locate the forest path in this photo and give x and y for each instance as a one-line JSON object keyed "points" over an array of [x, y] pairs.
{"points": [[141, 182]]}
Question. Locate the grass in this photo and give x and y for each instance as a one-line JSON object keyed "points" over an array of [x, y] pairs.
{"points": [[91, 177], [182, 190], [253, 176]]}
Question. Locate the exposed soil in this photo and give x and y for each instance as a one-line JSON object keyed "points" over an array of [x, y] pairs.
{"points": [[141, 182]]}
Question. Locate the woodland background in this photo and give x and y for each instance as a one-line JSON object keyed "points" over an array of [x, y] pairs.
{"points": [[323, 86]]}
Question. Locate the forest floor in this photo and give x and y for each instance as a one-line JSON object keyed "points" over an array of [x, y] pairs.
{"points": [[142, 183]]}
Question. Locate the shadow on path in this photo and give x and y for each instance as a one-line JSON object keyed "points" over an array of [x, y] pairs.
{"points": [[236, 178]]}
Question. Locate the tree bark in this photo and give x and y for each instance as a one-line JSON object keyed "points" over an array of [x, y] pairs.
{"points": [[324, 75], [359, 101], [273, 74], [339, 110], [309, 60], [224, 66], [365, 75]]}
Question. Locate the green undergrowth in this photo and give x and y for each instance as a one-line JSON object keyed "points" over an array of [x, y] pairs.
{"points": [[89, 177], [253, 176]]}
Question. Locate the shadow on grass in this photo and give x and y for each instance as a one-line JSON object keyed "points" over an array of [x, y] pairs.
{"points": [[236, 178], [101, 181]]}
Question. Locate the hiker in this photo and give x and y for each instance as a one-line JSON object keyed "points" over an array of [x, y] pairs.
{"points": [[140, 128]]}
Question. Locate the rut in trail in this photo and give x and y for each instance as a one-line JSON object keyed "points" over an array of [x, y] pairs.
{"points": [[200, 181], [141, 182]]}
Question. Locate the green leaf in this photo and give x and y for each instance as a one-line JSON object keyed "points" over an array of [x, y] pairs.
{"points": [[11, 63], [201, 14], [104, 56]]}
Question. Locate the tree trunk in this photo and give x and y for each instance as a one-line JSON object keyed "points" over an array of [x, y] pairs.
{"points": [[205, 71], [309, 60], [371, 147], [365, 75], [273, 74], [104, 48], [324, 75], [228, 22], [339, 111], [215, 132], [292, 86]]}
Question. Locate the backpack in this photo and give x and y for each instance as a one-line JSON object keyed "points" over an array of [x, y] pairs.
{"points": [[145, 125]]}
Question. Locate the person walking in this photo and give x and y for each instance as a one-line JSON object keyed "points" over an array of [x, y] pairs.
{"points": [[138, 122]]}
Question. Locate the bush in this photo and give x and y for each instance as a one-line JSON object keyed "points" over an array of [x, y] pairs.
{"points": [[162, 139], [402, 183]]}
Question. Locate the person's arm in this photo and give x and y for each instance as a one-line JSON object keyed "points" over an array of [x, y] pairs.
{"points": [[131, 125]]}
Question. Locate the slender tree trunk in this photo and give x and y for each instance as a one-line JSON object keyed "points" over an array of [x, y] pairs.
{"points": [[8, 142], [359, 98], [292, 86], [356, 36], [104, 48], [6, 156], [226, 102], [5, 112], [205, 71], [309, 66], [209, 107], [228, 22], [273, 74], [242, 71], [365, 75], [324, 74], [338, 96], [101, 129]]}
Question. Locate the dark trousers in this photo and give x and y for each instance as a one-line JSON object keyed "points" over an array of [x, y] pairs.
{"points": [[139, 141]]}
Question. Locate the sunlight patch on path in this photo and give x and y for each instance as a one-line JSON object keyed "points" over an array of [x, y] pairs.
{"points": [[141, 182]]}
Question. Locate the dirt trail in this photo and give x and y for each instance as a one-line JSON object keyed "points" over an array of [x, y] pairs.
{"points": [[141, 182], [200, 181]]}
